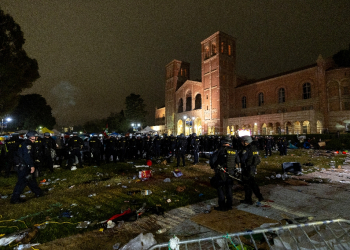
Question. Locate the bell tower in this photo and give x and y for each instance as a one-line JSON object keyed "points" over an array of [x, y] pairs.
{"points": [[218, 78], [177, 72]]}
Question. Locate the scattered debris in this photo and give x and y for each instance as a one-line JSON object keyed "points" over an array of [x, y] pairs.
{"points": [[141, 242]]}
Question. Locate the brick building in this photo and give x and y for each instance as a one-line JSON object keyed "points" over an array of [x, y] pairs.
{"points": [[311, 99]]}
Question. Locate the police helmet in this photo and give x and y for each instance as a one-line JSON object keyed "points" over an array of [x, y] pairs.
{"points": [[31, 133], [46, 134], [247, 139]]}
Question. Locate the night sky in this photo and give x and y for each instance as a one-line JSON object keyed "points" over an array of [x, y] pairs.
{"points": [[92, 54]]}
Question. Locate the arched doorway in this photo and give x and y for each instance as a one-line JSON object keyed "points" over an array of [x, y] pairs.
{"points": [[306, 127], [228, 130], [263, 129], [255, 129], [179, 127], [198, 126], [319, 127], [288, 128], [278, 128], [269, 129], [297, 128]]}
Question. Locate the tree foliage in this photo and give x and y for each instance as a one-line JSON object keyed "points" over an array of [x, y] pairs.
{"points": [[31, 112], [17, 70], [342, 58], [117, 122], [135, 109]]}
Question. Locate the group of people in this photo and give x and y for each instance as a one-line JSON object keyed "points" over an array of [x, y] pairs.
{"points": [[41, 153]]}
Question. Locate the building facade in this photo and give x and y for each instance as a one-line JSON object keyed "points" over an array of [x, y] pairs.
{"points": [[313, 99]]}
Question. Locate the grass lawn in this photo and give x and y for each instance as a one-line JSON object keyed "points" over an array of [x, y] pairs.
{"points": [[96, 193]]}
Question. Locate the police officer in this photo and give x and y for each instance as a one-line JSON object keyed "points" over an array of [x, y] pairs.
{"points": [[268, 146], [49, 148], [195, 148], [95, 150], [75, 144], [25, 170], [12, 148], [249, 158], [226, 164], [181, 148]]}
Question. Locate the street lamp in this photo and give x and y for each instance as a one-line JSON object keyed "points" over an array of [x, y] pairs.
{"points": [[8, 119], [135, 126]]}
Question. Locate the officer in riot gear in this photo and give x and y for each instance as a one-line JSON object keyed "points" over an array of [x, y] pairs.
{"points": [[25, 169], [181, 148], [225, 167], [249, 158]]}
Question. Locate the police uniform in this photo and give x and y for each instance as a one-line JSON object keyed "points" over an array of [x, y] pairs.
{"points": [[195, 147], [95, 150], [75, 144], [181, 147], [227, 160], [25, 164], [249, 158]]}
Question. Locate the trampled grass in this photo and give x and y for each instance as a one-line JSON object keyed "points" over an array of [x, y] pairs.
{"points": [[96, 193]]}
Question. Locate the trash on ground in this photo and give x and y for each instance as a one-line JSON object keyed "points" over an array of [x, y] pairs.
{"points": [[91, 195], [83, 224], [146, 192], [177, 173], [141, 166], [116, 246], [145, 174], [160, 231], [110, 224], [180, 189], [141, 242], [174, 243], [25, 246], [167, 180]]}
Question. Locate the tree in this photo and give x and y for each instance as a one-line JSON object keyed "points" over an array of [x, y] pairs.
{"points": [[135, 109], [17, 70], [342, 58], [31, 112], [117, 122], [95, 126]]}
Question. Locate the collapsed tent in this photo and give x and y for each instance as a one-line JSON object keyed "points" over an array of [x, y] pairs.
{"points": [[147, 130]]}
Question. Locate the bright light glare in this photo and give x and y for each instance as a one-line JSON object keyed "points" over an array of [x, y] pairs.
{"points": [[243, 132]]}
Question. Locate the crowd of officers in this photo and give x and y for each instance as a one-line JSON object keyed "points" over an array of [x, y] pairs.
{"points": [[97, 149], [44, 152]]}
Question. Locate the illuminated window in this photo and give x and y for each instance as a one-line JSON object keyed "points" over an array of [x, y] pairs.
{"points": [[244, 102], [206, 52], [222, 47], [229, 50], [307, 91], [261, 99], [281, 95]]}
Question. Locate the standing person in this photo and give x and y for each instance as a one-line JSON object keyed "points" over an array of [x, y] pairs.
{"points": [[75, 144], [37, 150], [49, 146], [249, 158], [181, 148], [227, 158], [12, 148], [195, 148], [25, 170], [60, 150], [268, 146], [95, 150]]}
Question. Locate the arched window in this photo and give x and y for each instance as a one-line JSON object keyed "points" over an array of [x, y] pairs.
{"points": [[188, 103], [181, 106], [198, 102], [244, 102], [261, 99], [229, 50], [306, 90], [281, 95]]}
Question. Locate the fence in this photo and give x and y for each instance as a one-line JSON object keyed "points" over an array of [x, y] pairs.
{"points": [[329, 234]]}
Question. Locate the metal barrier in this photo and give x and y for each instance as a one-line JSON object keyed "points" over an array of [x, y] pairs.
{"points": [[319, 235]]}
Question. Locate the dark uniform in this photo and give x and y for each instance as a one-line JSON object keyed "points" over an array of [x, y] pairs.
{"points": [[181, 147], [25, 163], [75, 144], [95, 150], [249, 158], [227, 160], [195, 147], [12, 148], [111, 149], [49, 146]]}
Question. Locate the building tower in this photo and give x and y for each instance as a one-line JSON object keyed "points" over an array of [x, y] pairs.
{"points": [[218, 79], [177, 72]]}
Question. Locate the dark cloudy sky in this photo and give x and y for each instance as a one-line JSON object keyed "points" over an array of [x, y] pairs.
{"points": [[94, 53]]}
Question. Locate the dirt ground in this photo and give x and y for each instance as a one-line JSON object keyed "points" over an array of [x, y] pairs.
{"points": [[322, 194]]}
